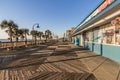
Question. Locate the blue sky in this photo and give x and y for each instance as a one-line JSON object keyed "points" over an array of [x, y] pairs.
{"points": [[55, 15]]}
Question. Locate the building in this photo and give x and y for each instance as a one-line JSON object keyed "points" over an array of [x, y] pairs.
{"points": [[100, 31], [68, 34]]}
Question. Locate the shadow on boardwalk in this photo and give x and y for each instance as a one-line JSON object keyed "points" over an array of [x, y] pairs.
{"points": [[58, 62], [29, 58], [40, 61], [63, 76]]}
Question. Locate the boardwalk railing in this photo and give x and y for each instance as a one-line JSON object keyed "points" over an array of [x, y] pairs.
{"points": [[5, 45]]}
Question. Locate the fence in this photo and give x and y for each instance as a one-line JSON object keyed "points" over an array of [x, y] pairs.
{"points": [[5, 45]]}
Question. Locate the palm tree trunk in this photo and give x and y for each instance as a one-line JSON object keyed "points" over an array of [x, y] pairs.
{"points": [[16, 39], [35, 40], [25, 40], [46, 39], [40, 38], [11, 41], [10, 34]]}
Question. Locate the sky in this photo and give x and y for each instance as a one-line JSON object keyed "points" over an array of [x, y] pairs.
{"points": [[55, 15]]}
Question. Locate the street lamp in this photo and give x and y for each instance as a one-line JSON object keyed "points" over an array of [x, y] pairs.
{"points": [[37, 25]]}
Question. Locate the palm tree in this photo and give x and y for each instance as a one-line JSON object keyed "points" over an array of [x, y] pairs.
{"points": [[48, 34], [21, 34], [43, 36], [39, 35], [16, 32], [9, 25], [24, 33], [34, 34]]}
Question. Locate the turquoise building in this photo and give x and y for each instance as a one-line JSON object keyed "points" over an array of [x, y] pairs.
{"points": [[100, 31]]}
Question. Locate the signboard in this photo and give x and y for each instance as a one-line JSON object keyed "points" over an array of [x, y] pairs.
{"points": [[109, 32], [116, 22], [99, 9], [117, 25], [104, 5]]}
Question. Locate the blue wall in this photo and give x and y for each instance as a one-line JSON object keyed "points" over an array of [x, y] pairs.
{"points": [[110, 51]]}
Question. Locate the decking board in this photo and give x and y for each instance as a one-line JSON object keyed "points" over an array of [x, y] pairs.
{"points": [[65, 62]]}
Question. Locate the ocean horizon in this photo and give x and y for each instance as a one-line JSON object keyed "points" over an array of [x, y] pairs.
{"points": [[4, 40]]}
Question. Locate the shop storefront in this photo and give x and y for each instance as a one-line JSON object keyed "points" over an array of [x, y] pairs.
{"points": [[101, 33]]}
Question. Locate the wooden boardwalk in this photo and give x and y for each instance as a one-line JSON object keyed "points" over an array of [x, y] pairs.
{"points": [[60, 62]]}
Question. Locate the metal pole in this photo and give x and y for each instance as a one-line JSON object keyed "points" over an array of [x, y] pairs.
{"points": [[33, 28]]}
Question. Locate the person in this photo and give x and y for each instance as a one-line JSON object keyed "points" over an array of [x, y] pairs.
{"points": [[76, 41]]}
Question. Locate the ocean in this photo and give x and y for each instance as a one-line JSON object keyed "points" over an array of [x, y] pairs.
{"points": [[4, 40]]}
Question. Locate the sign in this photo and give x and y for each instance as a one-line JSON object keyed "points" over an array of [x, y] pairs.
{"points": [[118, 18], [99, 9], [117, 25], [116, 22], [104, 5], [109, 32], [113, 22]]}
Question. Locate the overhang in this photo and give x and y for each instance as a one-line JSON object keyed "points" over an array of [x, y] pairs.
{"points": [[103, 17]]}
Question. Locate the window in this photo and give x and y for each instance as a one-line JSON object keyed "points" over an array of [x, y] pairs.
{"points": [[109, 36], [89, 36], [117, 32], [106, 34]]}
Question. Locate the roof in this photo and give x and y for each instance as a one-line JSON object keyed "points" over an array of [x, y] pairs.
{"points": [[109, 7]]}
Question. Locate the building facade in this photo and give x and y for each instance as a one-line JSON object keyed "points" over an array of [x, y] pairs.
{"points": [[100, 31], [68, 34]]}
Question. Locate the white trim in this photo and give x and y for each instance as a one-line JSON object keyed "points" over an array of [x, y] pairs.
{"points": [[100, 21], [104, 44]]}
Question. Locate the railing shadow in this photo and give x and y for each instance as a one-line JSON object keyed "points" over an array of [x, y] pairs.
{"points": [[43, 62]]}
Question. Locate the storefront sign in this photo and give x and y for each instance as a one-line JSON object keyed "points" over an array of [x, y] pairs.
{"points": [[113, 22], [117, 19], [104, 5], [99, 9], [117, 25], [109, 32], [116, 22]]}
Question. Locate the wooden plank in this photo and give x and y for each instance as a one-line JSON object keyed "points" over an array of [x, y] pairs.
{"points": [[77, 64], [118, 76], [40, 69], [53, 68], [47, 68], [2, 74], [63, 67], [72, 68], [43, 68], [21, 76], [16, 75], [36, 75], [54, 76], [23, 72], [6, 75], [107, 71], [26, 73], [29, 73], [94, 62], [33, 71], [39, 75]]}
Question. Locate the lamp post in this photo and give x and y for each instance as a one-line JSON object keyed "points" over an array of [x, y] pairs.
{"points": [[37, 26]]}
